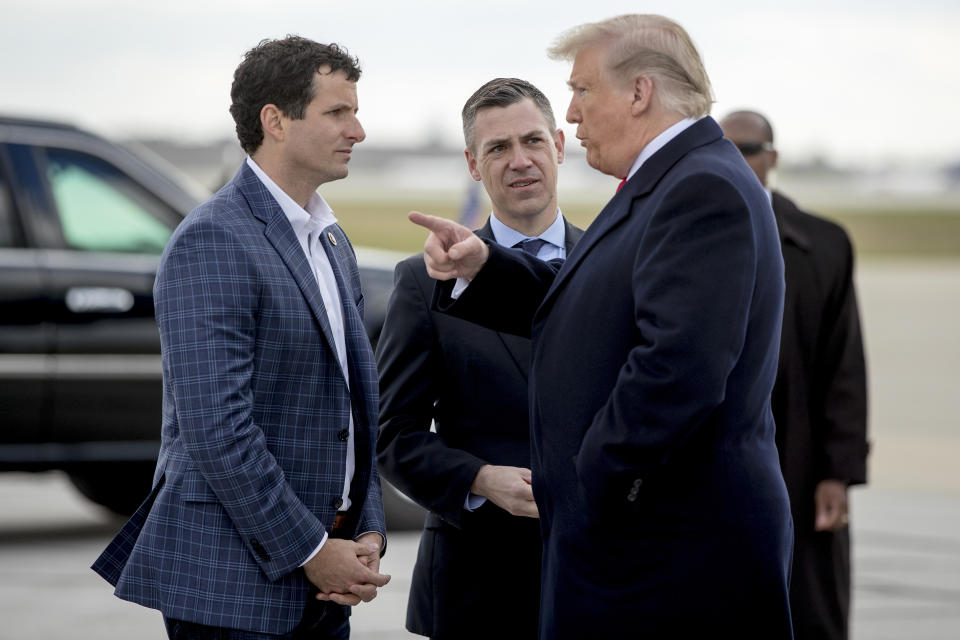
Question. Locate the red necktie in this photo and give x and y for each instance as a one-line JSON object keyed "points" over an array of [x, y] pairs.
{"points": [[620, 186]]}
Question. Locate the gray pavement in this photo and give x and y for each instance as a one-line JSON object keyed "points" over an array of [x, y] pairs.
{"points": [[906, 569], [906, 559], [906, 523], [49, 536]]}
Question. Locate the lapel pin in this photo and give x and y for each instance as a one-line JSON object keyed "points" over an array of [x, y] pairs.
{"points": [[332, 240]]}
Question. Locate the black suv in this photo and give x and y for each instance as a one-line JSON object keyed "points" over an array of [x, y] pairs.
{"points": [[82, 225]]}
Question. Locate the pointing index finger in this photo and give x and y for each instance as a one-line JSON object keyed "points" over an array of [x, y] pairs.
{"points": [[433, 223]]}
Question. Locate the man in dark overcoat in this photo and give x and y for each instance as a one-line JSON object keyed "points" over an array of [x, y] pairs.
{"points": [[662, 505], [820, 396]]}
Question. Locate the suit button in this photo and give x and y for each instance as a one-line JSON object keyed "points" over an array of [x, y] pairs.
{"points": [[637, 483], [632, 497], [343, 434], [258, 548], [338, 503]]}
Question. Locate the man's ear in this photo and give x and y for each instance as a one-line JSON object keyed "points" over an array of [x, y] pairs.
{"points": [[472, 164], [642, 95], [558, 142], [272, 121]]}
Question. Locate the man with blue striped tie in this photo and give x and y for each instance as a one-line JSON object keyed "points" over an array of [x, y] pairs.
{"points": [[473, 471]]}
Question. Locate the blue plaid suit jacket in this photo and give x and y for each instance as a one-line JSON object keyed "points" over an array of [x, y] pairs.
{"points": [[255, 407]]}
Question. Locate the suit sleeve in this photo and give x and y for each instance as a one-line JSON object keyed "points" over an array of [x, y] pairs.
{"points": [[504, 295], [693, 278], [411, 456], [371, 517], [206, 297], [841, 370]]}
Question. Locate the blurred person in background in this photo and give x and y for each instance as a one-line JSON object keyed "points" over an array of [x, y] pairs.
{"points": [[655, 471], [820, 396], [265, 520], [477, 573]]}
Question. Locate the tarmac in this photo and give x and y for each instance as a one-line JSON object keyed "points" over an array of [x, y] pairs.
{"points": [[906, 569], [905, 524]]}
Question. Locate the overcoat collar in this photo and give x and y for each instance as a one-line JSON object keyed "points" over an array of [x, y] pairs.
{"points": [[702, 132], [790, 232]]}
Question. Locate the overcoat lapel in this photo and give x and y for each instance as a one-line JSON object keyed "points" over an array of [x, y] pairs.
{"points": [[790, 232], [638, 187]]}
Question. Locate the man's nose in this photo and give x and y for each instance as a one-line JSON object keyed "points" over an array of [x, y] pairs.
{"points": [[356, 132], [519, 158], [573, 111]]}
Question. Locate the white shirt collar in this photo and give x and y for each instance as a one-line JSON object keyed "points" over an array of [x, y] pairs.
{"points": [[317, 215], [659, 142], [555, 234], [306, 221]]}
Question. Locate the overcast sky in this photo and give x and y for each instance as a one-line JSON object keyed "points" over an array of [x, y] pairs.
{"points": [[858, 82]]}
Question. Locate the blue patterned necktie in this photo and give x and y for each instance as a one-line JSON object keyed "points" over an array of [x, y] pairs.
{"points": [[530, 246]]}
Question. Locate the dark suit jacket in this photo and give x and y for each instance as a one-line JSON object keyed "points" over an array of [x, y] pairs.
{"points": [[820, 405], [473, 383], [663, 509], [252, 456]]}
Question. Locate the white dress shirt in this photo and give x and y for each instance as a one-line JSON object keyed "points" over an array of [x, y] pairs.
{"points": [[554, 235], [659, 142], [555, 246], [308, 224]]}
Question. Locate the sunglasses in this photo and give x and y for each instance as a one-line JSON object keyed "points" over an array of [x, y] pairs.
{"points": [[753, 148]]}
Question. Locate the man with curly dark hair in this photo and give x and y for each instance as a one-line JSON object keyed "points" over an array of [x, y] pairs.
{"points": [[265, 520]]}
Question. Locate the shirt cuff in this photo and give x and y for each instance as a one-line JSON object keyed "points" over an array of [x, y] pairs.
{"points": [[315, 551], [459, 288], [473, 502]]}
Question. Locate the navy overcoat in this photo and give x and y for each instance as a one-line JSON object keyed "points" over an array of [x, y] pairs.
{"points": [[662, 505]]}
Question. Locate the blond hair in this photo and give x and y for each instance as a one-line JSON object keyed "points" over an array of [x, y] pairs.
{"points": [[651, 45]]}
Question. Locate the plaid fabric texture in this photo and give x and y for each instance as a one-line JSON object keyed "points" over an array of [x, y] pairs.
{"points": [[252, 461]]}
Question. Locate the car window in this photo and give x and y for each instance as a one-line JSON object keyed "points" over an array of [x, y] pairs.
{"points": [[7, 225], [101, 209]]}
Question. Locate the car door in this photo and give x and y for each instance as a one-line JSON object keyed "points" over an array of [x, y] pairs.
{"points": [[25, 336], [105, 234]]}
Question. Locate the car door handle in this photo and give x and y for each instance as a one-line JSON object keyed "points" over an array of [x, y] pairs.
{"points": [[99, 300]]}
